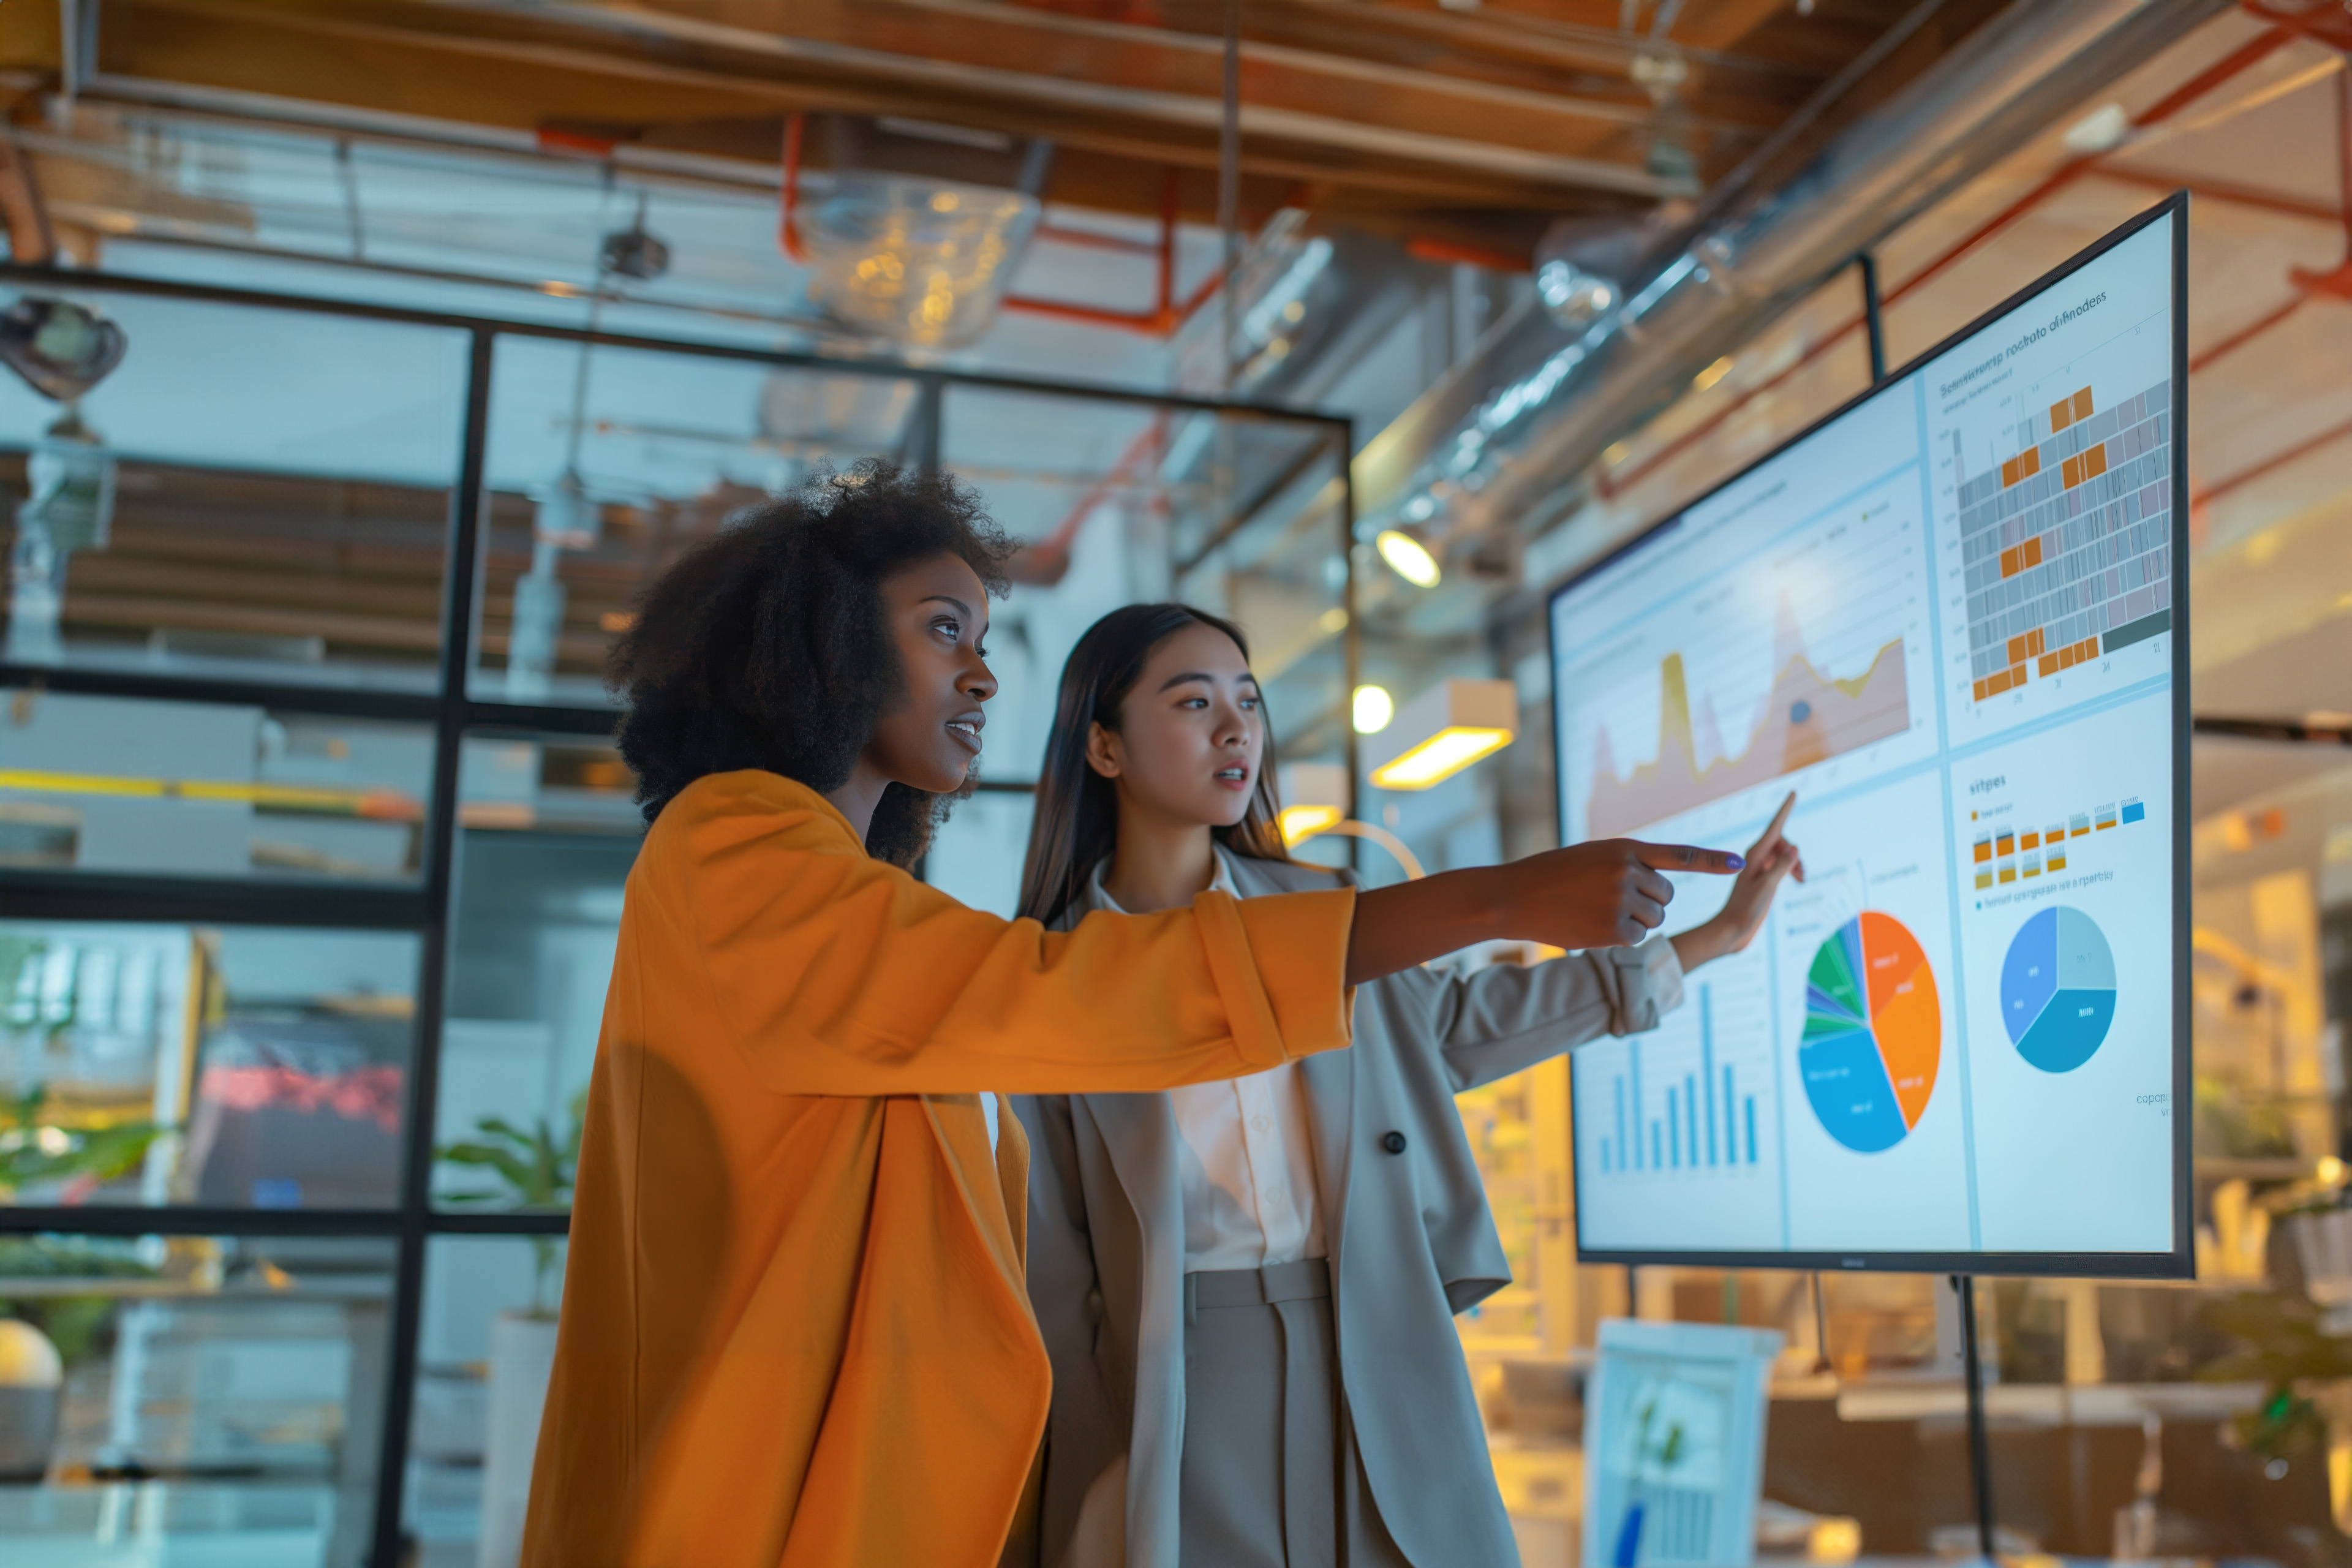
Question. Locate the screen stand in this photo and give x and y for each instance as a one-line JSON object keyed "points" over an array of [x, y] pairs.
{"points": [[1979, 1446]]}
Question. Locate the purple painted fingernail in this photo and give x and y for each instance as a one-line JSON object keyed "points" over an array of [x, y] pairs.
{"points": [[1736, 863]]}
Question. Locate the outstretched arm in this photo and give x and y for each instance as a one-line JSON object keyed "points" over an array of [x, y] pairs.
{"points": [[1607, 893]]}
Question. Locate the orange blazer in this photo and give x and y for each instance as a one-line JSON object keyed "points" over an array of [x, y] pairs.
{"points": [[796, 1331]]}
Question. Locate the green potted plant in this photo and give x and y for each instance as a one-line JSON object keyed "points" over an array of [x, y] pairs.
{"points": [[2283, 1344], [35, 1149], [531, 1171]]}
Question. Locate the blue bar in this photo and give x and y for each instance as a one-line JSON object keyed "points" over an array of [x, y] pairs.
{"points": [[1730, 1138], [1654, 1160], [1673, 1131], [1621, 1123], [1751, 1129], [1690, 1111], [1707, 1072], [1633, 1047], [2134, 812]]}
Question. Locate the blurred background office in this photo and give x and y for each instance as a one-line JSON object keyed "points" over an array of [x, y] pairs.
{"points": [[368, 358]]}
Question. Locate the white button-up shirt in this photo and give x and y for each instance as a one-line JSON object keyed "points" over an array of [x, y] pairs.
{"points": [[1246, 1152]]}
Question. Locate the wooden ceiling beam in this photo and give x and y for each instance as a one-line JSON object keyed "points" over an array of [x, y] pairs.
{"points": [[574, 60], [1272, 72]]}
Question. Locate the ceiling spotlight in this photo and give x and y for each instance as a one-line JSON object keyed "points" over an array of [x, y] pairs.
{"points": [[633, 253], [2101, 131], [1373, 709], [1408, 557], [1580, 267], [61, 349], [1574, 297]]}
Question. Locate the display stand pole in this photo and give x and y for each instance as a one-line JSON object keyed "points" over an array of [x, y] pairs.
{"points": [[1979, 1446]]}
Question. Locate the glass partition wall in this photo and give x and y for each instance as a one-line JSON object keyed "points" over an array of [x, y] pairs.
{"points": [[313, 839]]}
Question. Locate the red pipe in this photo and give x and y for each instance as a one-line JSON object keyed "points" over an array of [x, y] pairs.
{"points": [[1047, 561], [2237, 61], [1166, 314], [788, 233], [2247, 476], [2243, 335], [1161, 321], [1445, 252], [1087, 239]]}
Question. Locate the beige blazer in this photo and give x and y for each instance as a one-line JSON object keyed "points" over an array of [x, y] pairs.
{"points": [[1411, 1244]]}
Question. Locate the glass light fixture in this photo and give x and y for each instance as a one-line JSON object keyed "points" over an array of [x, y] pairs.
{"points": [[915, 261], [1408, 557]]}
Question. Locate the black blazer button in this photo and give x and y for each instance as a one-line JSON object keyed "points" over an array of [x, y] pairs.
{"points": [[1392, 1142]]}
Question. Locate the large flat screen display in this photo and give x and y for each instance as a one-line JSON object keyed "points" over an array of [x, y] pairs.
{"points": [[1949, 617]]}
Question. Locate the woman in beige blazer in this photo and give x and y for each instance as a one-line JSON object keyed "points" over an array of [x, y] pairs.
{"points": [[1247, 1286]]}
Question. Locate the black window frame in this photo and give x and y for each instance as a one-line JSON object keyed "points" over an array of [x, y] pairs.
{"points": [[426, 908]]}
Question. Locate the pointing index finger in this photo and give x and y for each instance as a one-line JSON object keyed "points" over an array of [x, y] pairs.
{"points": [[1687, 858]]}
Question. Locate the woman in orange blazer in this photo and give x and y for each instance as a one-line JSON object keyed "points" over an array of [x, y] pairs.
{"points": [[795, 1330]]}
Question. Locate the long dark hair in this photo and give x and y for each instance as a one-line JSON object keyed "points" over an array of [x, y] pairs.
{"points": [[1077, 822], [767, 648]]}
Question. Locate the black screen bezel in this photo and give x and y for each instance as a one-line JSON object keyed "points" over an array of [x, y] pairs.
{"points": [[2180, 1262]]}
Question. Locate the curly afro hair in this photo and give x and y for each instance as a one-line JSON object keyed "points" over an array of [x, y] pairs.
{"points": [[766, 646]]}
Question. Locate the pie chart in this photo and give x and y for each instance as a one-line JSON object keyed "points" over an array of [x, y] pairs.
{"points": [[1874, 1032], [2058, 989]]}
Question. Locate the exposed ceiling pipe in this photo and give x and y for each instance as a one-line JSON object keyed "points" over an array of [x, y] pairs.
{"points": [[1494, 443]]}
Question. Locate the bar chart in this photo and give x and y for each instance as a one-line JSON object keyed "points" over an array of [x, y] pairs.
{"points": [[1709, 1115], [2000, 854]]}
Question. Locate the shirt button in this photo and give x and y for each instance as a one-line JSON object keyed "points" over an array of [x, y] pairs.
{"points": [[1274, 1197], [1260, 1124], [1392, 1142]]}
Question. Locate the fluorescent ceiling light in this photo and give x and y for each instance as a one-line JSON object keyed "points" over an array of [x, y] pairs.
{"points": [[1439, 758], [1443, 731]]}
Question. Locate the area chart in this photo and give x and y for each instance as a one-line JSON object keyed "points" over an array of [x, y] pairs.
{"points": [[1807, 717], [1874, 1032], [2058, 989]]}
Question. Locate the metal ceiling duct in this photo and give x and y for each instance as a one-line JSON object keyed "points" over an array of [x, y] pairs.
{"points": [[1496, 439]]}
